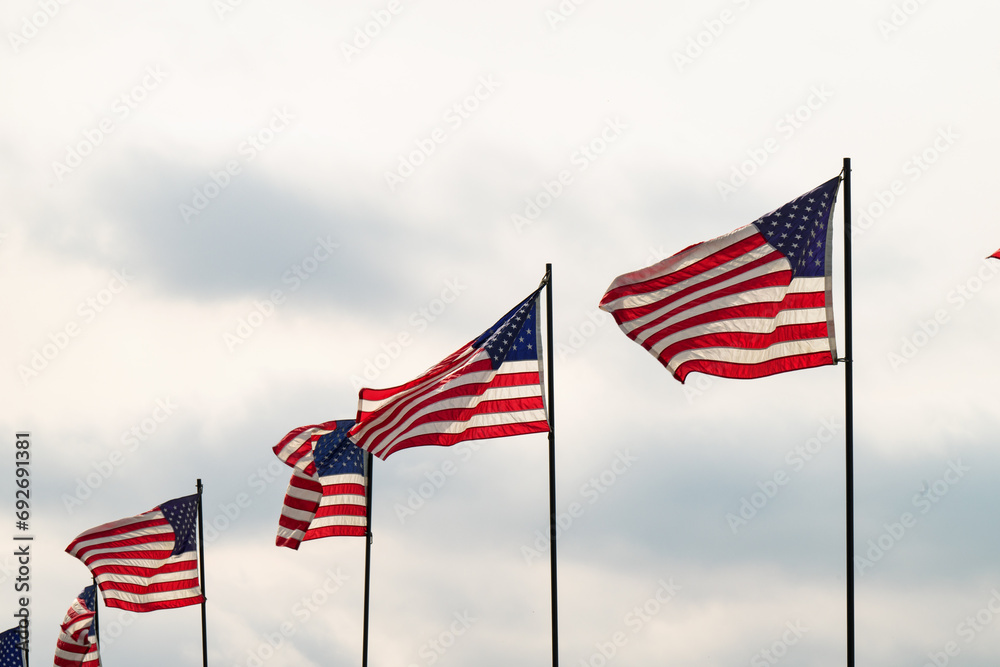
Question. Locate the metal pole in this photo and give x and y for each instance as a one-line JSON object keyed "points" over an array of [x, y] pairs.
{"points": [[552, 464], [368, 555], [97, 626], [849, 410], [201, 567]]}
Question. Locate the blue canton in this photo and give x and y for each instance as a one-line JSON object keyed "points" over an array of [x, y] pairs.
{"points": [[800, 229], [513, 337], [182, 514], [335, 454], [10, 648]]}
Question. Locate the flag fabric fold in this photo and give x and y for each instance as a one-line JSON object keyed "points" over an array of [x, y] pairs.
{"points": [[489, 388], [11, 654], [749, 304], [296, 448], [326, 494], [146, 562], [76, 645]]}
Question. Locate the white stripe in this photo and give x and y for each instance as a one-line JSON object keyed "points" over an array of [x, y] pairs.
{"points": [[328, 521], [346, 499]]}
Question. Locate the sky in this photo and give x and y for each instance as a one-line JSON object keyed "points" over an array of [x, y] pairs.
{"points": [[221, 218]]}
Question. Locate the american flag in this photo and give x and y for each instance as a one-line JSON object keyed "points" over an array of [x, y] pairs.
{"points": [[10, 648], [145, 562], [488, 388], [330, 499], [77, 644], [752, 303]]}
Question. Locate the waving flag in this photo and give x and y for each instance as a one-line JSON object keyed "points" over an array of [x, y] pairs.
{"points": [[488, 388], [330, 499], [77, 645], [145, 562], [11, 654], [752, 303]]}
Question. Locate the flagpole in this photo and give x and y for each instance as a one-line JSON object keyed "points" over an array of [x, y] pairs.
{"points": [[97, 626], [849, 410], [368, 555], [552, 464], [201, 568]]}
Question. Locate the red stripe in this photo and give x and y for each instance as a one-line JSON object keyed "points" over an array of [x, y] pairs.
{"points": [[471, 433], [335, 531], [153, 606], [746, 341], [751, 371]]}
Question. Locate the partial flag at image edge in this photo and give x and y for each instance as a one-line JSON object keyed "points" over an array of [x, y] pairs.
{"points": [[749, 304], [76, 645], [11, 652]]}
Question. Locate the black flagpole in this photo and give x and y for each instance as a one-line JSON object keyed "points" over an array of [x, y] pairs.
{"points": [[368, 554], [97, 626], [849, 410], [204, 597], [24, 639], [552, 464]]}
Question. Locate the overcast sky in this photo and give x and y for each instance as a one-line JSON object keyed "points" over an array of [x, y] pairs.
{"points": [[221, 217]]}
